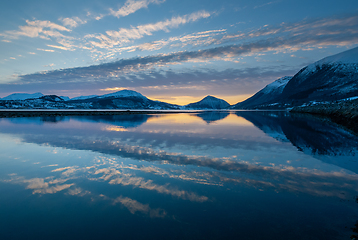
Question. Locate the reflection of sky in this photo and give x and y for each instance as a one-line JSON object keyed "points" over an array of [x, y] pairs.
{"points": [[173, 157]]}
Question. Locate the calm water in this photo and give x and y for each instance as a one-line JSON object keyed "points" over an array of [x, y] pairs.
{"points": [[243, 175]]}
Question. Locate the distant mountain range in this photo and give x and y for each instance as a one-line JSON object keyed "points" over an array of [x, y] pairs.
{"points": [[333, 78]]}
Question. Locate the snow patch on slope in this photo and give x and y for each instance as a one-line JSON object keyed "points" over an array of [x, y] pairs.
{"points": [[277, 85], [348, 58], [123, 93], [83, 97]]}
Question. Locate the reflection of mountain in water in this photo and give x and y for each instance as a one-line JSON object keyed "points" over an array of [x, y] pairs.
{"points": [[212, 116], [39, 120], [125, 120], [310, 135]]}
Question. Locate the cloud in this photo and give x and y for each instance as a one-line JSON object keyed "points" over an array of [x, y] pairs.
{"points": [[36, 28], [134, 206], [59, 47], [131, 6], [125, 35], [148, 70], [288, 37], [45, 50], [49, 65], [266, 4], [72, 22]]}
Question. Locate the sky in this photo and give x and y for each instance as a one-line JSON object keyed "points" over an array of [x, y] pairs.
{"points": [[177, 51]]}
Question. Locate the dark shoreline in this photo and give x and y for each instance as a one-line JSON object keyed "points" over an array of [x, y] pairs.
{"points": [[342, 113]]}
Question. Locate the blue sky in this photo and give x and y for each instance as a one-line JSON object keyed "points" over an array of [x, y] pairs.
{"points": [[169, 50]]}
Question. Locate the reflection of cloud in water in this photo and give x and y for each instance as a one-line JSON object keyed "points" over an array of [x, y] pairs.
{"points": [[78, 192], [40, 186], [135, 206], [149, 185], [114, 176], [209, 170]]}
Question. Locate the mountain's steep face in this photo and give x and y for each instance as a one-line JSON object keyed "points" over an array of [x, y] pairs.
{"points": [[267, 94], [22, 96], [330, 79], [209, 102]]}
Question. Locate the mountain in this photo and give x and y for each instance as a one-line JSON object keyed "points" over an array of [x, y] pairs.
{"points": [[22, 96], [330, 79], [270, 92], [83, 97], [209, 102], [65, 98], [51, 98], [123, 93], [124, 99]]}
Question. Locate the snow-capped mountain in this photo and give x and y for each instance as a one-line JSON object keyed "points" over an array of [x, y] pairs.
{"points": [[209, 102], [22, 96], [124, 99], [123, 93], [329, 79], [268, 93], [332, 78]]}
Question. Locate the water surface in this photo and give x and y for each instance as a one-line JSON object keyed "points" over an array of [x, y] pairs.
{"points": [[211, 175]]}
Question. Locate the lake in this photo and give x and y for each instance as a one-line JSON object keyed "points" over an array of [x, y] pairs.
{"points": [[207, 175]]}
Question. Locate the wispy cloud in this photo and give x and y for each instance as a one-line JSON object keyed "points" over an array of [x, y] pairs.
{"points": [[131, 6], [59, 47], [49, 65], [266, 4], [36, 28], [72, 22], [126, 35], [45, 50]]}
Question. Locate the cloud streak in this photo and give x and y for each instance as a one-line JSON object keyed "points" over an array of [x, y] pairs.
{"points": [[36, 28], [126, 35], [131, 6]]}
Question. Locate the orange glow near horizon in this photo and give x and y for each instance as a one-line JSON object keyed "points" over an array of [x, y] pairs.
{"points": [[184, 100]]}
